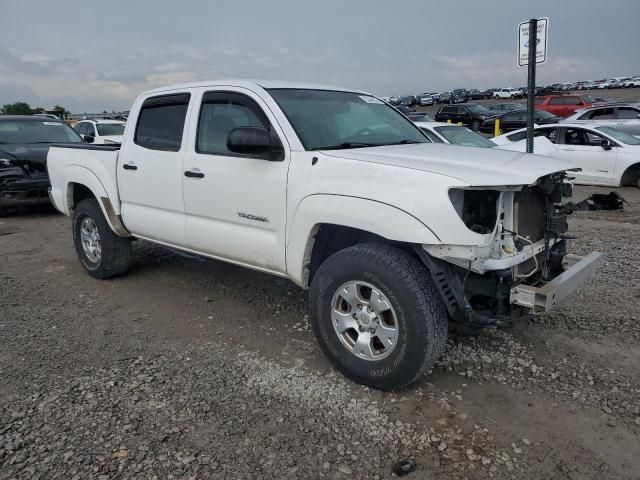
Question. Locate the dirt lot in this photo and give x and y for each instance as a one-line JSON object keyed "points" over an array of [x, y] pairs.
{"points": [[189, 368]]}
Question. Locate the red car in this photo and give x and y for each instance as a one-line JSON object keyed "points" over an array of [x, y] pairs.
{"points": [[564, 105]]}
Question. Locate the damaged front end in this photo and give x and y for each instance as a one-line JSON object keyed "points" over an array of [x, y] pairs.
{"points": [[22, 182], [522, 265]]}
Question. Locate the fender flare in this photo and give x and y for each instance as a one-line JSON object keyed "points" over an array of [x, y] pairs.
{"points": [[372, 216], [76, 174]]}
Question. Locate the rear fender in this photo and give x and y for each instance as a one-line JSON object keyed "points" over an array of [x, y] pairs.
{"points": [[78, 175]]}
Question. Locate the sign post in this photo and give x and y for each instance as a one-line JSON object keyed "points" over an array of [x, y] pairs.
{"points": [[532, 49]]}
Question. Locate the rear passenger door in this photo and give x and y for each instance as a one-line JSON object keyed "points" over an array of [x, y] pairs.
{"points": [[150, 169], [235, 204]]}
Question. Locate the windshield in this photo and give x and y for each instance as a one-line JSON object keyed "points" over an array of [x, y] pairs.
{"points": [[478, 108], [463, 136], [326, 119], [588, 99], [106, 129], [29, 131], [620, 136]]}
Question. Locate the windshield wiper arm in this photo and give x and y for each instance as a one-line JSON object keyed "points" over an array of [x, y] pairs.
{"points": [[345, 145], [405, 142]]}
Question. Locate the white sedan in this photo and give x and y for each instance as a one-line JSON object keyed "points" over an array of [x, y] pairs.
{"points": [[606, 155], [101, 131]]}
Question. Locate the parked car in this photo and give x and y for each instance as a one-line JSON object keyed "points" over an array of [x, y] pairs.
{"points": [[506, 107], [394, 100], [439, 132], [445, 97], [475, 94], [338, 192], [459, 95], [508, 93], [24, 144], [631, 83], [471, 114], [517, 119], [564, 105], [626, 116], [408, 100], [101, 131], [606, 155], [425, 99]]}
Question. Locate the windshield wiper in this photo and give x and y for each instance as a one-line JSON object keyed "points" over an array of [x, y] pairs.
{"points": [[345, 145], [404, 142]]}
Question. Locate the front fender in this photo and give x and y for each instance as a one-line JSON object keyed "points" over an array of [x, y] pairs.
{"points": [[371, 216]]}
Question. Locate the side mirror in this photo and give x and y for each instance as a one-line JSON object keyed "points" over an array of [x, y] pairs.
{"points": [[254, 141], [606, 144], [88, 138]]}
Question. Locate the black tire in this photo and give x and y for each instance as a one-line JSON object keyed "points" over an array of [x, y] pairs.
{"points": [[406, 283], [115, 250]]}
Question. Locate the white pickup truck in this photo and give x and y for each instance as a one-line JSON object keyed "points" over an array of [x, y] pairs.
{"points": [[340, 193]]}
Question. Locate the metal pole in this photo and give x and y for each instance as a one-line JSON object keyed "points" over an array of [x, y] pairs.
{"points": [[531, 81]]}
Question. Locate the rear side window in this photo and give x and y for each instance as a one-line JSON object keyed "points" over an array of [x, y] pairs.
{"points": [[539, 101], [161, 122], [556, 101]]}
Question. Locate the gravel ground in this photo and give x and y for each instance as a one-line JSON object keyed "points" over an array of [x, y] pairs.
{"points": [[189, 368]]}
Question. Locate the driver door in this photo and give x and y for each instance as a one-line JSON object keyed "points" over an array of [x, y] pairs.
{"points": [[235, 204]]}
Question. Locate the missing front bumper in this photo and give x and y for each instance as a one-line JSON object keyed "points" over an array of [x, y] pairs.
{"points": [[542, 299]]}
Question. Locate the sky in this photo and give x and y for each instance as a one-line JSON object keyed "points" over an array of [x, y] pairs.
{"points": [[99, 55]]}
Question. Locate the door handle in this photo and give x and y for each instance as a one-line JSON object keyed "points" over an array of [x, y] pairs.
{"points": [[194, 173], [130, 166]]}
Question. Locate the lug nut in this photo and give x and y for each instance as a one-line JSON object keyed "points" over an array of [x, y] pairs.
{"points": [[376, 320], [361, 329], [359, 306], [370, 309]]}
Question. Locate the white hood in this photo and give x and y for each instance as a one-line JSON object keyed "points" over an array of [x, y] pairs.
{"points": [[474, 166]]}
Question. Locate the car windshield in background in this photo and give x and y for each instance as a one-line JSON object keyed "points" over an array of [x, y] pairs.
{"points": [[325, 119], [620, 136], [106, 129], [457, 135], [478, 108], [543, 114], [30, 131], [588, 99]]}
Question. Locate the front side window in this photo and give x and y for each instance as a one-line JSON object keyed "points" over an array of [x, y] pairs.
{"points": [[161, 122], [431, 136], [30, 131], [219, 114], [620, 136], [325, 119]]}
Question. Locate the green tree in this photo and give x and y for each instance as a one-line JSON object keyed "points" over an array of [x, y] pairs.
{"points": [[61, 111], [18, 108]]}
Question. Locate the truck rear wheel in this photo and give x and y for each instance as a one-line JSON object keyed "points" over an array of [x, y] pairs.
{"points": [[377, 316], [103, 254]]}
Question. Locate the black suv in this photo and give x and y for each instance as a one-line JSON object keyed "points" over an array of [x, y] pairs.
{"points": [[468, 113]]}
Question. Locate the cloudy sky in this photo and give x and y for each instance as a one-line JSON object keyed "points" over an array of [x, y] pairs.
{"points": [[99, 55]]}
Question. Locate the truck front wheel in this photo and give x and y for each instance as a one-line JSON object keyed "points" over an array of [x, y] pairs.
{"points": [[377, 316], [103, 254]]}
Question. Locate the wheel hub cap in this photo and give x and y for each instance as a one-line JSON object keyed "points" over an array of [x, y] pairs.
{"points": [[90, 239], [364, 320]]}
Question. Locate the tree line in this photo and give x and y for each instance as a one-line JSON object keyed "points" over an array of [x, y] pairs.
{"points": [[23, 108]]}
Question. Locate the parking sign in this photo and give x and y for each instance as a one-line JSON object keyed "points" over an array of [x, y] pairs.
{"points": [[541, 42]]}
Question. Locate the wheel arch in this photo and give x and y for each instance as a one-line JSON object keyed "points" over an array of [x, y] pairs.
{"points": [[82, 184], [631, 176], [322, 226]]}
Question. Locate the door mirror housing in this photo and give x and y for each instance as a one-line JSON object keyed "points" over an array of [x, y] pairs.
{"points": [[606, 144], [255, 141], [88, 138]]}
